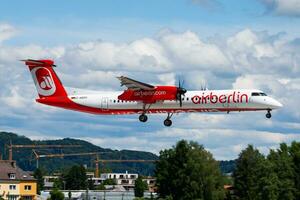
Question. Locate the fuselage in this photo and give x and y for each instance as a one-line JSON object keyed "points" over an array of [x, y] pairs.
{"points": [[193, 101]]}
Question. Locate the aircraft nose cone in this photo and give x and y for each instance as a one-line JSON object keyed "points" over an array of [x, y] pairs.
{"points": [[279, 104], [276, 104]]}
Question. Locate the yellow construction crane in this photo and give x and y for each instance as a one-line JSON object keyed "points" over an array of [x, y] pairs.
{"points": [[38, 156], [33, 146], [97, 160]]}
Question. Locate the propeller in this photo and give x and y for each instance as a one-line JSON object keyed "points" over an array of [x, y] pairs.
{"points": [[180, 92]]}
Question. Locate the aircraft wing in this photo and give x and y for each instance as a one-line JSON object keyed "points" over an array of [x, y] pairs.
{"points": [[134, 85]]}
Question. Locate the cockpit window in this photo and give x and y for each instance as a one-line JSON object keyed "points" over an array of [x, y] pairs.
{"points": [[258, 94]]}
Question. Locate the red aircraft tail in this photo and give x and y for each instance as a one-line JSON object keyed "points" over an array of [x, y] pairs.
{"points": [[45, 79]]}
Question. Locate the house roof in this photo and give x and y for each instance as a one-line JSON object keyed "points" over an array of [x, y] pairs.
{"points": [[8, 167]]}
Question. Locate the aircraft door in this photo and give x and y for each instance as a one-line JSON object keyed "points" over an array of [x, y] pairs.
{"points": [[104, 103]]}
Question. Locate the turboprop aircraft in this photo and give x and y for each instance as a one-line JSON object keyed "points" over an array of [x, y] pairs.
{"points": [[141, 98]]}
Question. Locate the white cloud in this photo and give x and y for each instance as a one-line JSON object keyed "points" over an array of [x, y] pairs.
{"points": [[14, 99], [167, 79], [6, 32], [284, 7], [141, 55], [187, 49], [260, 52]]}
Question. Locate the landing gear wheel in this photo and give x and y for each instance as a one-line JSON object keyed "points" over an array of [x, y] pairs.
{"points": [[168, 122], [268, 115], [143, 118]]}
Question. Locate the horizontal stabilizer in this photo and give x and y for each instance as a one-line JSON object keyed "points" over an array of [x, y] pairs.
{"points": [[44, 63]]}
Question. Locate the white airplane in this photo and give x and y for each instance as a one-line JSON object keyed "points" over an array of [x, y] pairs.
{"points": [[141, 98]]}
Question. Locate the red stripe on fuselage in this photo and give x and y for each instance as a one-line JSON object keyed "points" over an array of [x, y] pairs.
{"points": [[66, 103]]}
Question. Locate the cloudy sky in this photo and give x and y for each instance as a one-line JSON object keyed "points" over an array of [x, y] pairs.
{"points": [[222, 44]]}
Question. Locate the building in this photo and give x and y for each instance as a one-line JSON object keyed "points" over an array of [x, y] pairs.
{"points": [[125, 179], [15, 183], [151, 182], [49, 181]]}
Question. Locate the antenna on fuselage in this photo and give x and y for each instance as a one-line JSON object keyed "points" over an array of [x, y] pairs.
{"points": [[204, 86]]}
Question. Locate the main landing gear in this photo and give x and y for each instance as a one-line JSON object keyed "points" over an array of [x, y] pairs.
{"points": [[143, 118], [168, 121], [268, 115]]}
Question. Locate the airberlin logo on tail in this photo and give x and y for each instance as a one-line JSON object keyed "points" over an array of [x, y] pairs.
{"points": [[43, 81]]}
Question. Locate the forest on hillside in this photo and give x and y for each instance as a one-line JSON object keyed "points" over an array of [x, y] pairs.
{"points": [[26, 159]]}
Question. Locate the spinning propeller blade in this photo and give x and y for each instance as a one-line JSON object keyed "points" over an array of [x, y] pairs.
{"points": [[180, 92]]}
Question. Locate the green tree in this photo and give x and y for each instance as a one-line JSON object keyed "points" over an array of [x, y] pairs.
{"points": [[56, 195], [254, 177], [188, 171], [295, 154], [100, 187], [106, 182], [76, 178], [139, 187], [59, 183], [110, 181], [38, 175], [268, 182], [91, 185], [247, 173], [282, 163]]}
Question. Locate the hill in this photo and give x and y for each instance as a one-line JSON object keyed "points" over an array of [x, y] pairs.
{"points": [[25, 157], [26, 161]]}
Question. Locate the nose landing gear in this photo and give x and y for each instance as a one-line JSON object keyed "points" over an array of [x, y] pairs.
{"points": [[268, 115]]}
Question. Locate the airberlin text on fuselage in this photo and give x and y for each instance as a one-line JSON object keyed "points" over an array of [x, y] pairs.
{"points": [[149, 93], [235, 97]]}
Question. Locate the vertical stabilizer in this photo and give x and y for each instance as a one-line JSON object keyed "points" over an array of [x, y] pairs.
{"points": [[45, 79]]}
